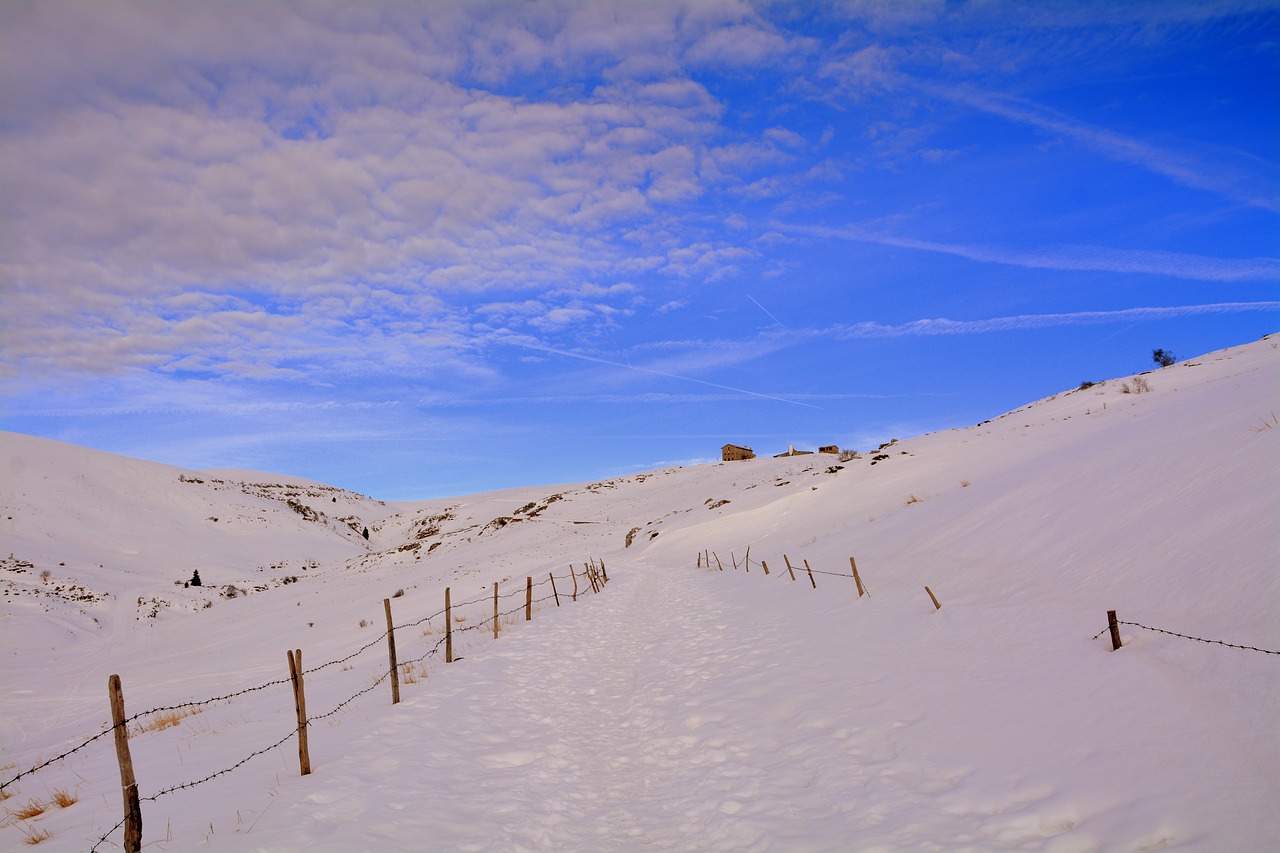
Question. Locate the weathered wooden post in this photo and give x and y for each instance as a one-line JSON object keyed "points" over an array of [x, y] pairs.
{"points": [[699, 559], [128, 784], [733, 560], [448, 628], [856, 579], [604, 573], [528, 599], [764, 566], [495, 610], [718, 563], [810, 571], [789, 569], [300, 705], [391, 653], [553, 587], [575, 581], [934, 598], [1114, 625]]}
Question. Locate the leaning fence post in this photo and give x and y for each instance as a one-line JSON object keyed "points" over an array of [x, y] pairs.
{"points": [[1115, 629], [746, 561], [300, 705], [128, 784], [856, 578], [604, 573], [934, 598], [810, 571], [789, 569], [764, 566], [553, 587], [575, 581], [528, 599], [718, 563], [391, 653], [448, 628]]}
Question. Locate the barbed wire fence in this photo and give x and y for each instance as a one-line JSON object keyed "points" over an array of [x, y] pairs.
{"points": [[592, 571], [706, 557], [1185, 637]]}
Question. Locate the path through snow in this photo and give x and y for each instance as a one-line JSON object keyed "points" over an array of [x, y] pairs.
{"points": [[660, 716]]}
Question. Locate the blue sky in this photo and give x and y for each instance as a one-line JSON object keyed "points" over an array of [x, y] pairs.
{"points": [[420, 250]]}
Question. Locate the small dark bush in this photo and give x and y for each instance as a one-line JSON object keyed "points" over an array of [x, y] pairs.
{"points": [[1163, 357]]}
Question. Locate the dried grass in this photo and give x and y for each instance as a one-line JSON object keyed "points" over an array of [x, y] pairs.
{"points": [[33, 808], [62, 798], [162, 720], [35, 836]]}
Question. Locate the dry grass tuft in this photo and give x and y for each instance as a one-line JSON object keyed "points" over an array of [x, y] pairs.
{"points": [[62, 798], [162, 720], [4, 795], [35, 836], [912, 500], [33, 808]]}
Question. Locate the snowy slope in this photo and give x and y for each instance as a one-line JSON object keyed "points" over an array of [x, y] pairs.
{"points": [[682, 708]]}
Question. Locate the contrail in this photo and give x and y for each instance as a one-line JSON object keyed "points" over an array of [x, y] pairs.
{"points": [[606, 361], [767, 311]]}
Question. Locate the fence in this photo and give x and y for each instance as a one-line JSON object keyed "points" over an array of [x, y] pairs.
{"points": [[590, 578], [1113, 624]]}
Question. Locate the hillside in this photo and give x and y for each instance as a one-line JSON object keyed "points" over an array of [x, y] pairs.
{"points": [[683, 708]]}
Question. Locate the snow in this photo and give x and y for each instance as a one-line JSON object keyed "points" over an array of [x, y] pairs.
{"points": [[681, 708]]}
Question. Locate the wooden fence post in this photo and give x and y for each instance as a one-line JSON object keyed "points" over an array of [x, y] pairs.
{"points": [[810, 571], [699, 559], [746, 561], [528, 599], [1114, 625], [575, 582], [733, 560], [495, 610], [448, 628], [391, 653], [604, 573], [553, 587], [128, 784], [718, 563], [934, 598], [300, 705], [789, 569], [764, 566], [856, 579]]}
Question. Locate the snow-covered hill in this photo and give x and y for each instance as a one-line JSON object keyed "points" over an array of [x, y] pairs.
{"points": [[682, 708]]}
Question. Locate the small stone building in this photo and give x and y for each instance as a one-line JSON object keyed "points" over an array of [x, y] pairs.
{"points": [[829, 448], [734, 452]]}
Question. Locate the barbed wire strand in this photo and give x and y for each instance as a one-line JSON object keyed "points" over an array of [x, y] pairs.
{"points": [[1187, 637]]}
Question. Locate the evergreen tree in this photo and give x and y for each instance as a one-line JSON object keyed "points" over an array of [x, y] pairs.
{"points": [[195, 578]]}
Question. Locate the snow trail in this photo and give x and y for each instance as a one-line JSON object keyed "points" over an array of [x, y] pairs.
{"points": [[659, 715]]}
